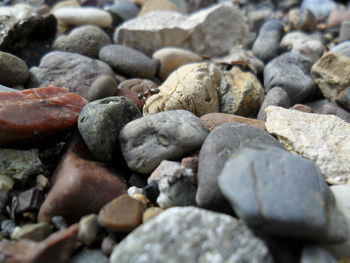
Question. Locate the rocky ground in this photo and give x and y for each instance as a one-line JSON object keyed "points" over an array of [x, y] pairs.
{"points": [[149, 131]]}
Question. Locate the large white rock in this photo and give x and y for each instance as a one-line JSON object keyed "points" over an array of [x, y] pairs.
{"points": [[212, 31], [321, 138]]}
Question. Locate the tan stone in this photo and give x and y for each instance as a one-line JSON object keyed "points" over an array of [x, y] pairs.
{"points": [[88, 229], [142, 198], [67, 3], [157, 5], [303, 108], [302, 19], [151, 213], [34, 232]]}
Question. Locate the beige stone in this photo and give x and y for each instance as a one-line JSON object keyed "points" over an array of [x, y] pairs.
{"points": [[323, 139], [157, 5], [302, 19], [34, 232], [88, 229], [67, 3], [151, 213], [193, 87]]}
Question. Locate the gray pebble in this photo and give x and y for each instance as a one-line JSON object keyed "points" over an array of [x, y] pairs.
{"points": [[312, 254], [6, 89], [326, 107], [13, 70], [344, 33], [123, 11], [342, 49], [104, 86], [89, 256]]}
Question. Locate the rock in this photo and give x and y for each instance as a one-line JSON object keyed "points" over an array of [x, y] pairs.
{"points": [[13, 70], [342, 49], [302, 19], [35, 114], [35, 232], [266, 45], [344, 33], [191, 163], [100, 122], [256, 189], [128, 62], [108, 243], [89, 256], [59, 222], [326, 107], [234, 241], [74, 72], [104, 86], [151, 213], [77, 16], [29, 200], [297, 83], [220, 145], [208, 31], [312, 254], [169, 135], [6, 185], [123, 214], [18, 11], [320, 8], [171, 58], [195, 5], [88, 229], [151, 191], [321, 138], [343, 99], [330, 75], [6, 89], [7, 227], [122, 11], [336, 17], [274, 97], [192, 87], [157, 5], [78, 178], [240, 93], [213, 120], [302, 108], [85, 40], [257, 17]]}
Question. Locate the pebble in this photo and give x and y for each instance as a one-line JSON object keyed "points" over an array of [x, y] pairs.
{"points": [[343, 99], [257, 17], [128, 62], [35, 232], [336, 17], [151, 213], [344, 32], [151, 191], [104, 86], [6, 185], [342, 49], [320, 8], [302, 19], [191, 163], [122, 11], [13, 70], [29, 200], [169, 135], [88, 229], [302, 108], [100, 123], [321, 138], [260, 190], [7, 227], [89, 256], [157, 5], [311, 254], [326, 107], [215, 232]]}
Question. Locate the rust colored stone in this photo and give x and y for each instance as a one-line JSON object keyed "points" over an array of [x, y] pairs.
{"points": [[34, 114], [191, 163], [303, 108]]}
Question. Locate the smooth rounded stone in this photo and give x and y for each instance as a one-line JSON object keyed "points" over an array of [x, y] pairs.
{"points": [[104, 86], [193, 87], [336, 17], [66, 3], [320, 8], [302, 19], [241, 93], [77, 16], [85, 40], [35, 232], [274, 97], [122, 11], [266, 45], [329, 108], [13, 70], [282, 194], [302, 108], [100, 122], [342, 49], [320, 138], [35, 114], [220, 145], [311, 254], [256, 18], [171, 58], [88, 229], [89, 256], [213, 120], [169, 135], [184, 228], [157, 5], [344, 32], [330, 74], [343, 99], [122, 214], [151, 213], [298, 83], [71, 71]]}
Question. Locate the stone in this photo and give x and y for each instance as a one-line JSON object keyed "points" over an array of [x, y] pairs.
{"points": [[122, 11], [320, 138], [256, 189], [20, 164], [108, 243], [257, 17], [171, 58], [77, 16], [312, 254], [302, 19], [35, 232], [29, 200], [35, 114], [344, 32], [298, 83], [232, 240], [89, 256], [330, 74], [100, 123], [59, 222], [213, 120], [220, 145], [18, 11], [151, 191], [326, 107], [6, 89], [343, 99], [157, 5], [88, 229], [7, 227], [141, 197], [169, 135], [302, 108], [71, 71], [336, 17], [192, 87], [151, 213], [6, 185], [85, 40], [79, 178], [266, 45], [123, 214], [274, 97], [207, 32], [320, 8], [195, 5], [13, 70], [128, 62], [240, 93], [342, 49], [104, 86]]}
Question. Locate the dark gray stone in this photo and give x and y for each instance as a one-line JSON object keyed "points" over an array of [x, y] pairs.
{"points": [[100, 122], [312, 254], [190, 234], [327, 107], [89, 256], [221, 143], [123, 11], [267, 44], [282, 194], [13, 70], [104, 86], [71, 71], [291, 72], [128, 62], [274, 97], [168, 135], [342, 49], [29, 200], [343, 99]]}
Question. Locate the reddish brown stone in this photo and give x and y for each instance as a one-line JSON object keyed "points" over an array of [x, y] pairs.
{"points": [[213, 120], [303, 108], [81, 185], [57, 248], [191, 163], [34, 114], [123, 214]]}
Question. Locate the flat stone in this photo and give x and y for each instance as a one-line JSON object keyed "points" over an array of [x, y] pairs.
{"points": [[157, 5], [88, 229], [302, 19], [312, 254], [104, 86], [320, 138], [89, 256], [35, 232], [169, 135], [13, 70], [232, 240]]}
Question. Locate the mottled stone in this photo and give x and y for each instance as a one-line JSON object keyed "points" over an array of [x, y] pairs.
{"points": [[104, 86], [13, 70], [35, 232], [88, 229], [302, 19]]}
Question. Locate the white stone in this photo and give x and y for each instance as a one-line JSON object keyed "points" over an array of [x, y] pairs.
{"points": [[19, 11], [323, 139]]}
